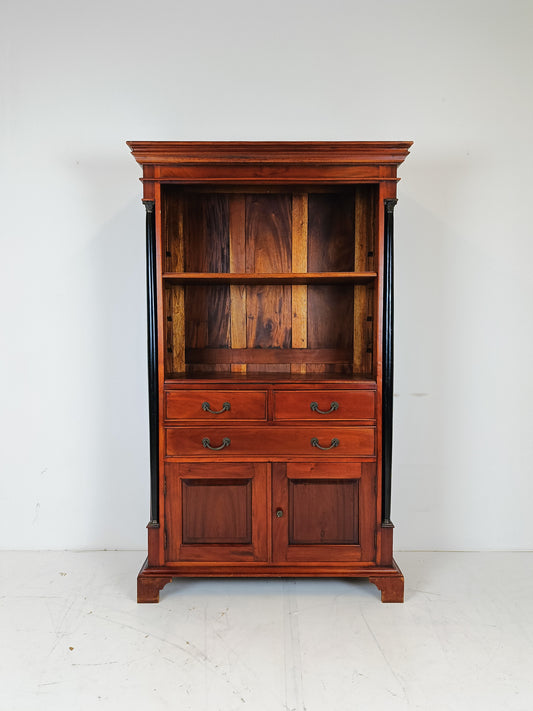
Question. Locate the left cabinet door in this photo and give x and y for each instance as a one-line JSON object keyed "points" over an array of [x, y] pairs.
{"points": [[215, 511]]}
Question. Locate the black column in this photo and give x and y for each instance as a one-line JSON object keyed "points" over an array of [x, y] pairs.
{"points": [[388, 358], [153, 394]]}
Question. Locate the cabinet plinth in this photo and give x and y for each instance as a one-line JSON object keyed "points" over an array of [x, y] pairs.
{"points": [[270, 317]]}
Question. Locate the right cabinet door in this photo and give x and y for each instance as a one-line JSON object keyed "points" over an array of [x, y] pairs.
{"points": [[323, 512]]}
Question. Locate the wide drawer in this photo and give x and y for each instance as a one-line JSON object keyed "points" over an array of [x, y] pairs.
{"points": [[324, 405], [270, 441], [215, 405]]}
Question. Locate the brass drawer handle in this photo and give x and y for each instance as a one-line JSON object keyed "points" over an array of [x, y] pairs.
{"points": [[334, 406], [207, 408], [334, 443], [225, 443]]}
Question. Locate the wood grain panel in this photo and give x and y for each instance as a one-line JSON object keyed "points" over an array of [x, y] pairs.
{"points": [[330, 308], [237, 260], [206, 233], [299, 264], [331, 232], [363, 305], [187, 405], [268, 316], [172, 228], [268, 233], [268, 249], [272, 356], [174, 309], [217, 511], [365, 227], [296, 404], [273, 441], [208, 320], [323, 511]]}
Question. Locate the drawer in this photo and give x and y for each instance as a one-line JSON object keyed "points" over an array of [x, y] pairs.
{"points": [[270, 441], [324, 404], [215, 405]]}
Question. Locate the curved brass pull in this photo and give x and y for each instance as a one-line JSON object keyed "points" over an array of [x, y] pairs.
{"points": [[207, 408], [334, 406], [334, 443], [225, 443]]}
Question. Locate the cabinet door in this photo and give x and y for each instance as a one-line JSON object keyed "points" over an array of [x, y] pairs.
{"points": [[215, 511], [323, 512]]}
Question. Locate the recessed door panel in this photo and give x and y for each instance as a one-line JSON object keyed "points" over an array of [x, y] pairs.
{"points": [[323, 511]]}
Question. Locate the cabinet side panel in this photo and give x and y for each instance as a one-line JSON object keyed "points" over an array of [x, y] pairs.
{"points": [[366, 198], [363, 323], [172, 228]]}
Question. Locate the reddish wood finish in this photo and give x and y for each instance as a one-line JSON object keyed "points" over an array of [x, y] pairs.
{"points": [[148, 586], [270, 297], [296, 405], [273, 441], [215, 514], [187, 405], [391, 586], [323, 505]]}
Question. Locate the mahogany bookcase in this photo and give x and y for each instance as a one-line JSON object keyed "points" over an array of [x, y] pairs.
{"points": [[270, 357]]}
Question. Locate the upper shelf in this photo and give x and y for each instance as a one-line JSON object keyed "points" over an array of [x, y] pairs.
{"points": [[263, 278]]}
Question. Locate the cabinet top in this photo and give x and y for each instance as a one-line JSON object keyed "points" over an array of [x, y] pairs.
{"points": [[273, 152]]}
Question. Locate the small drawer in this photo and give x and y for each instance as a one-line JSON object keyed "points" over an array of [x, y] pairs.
{"points": [[318, 442], [324, 405], [215, 405]]}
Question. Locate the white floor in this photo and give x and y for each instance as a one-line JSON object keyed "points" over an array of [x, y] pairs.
{"points": [[72, 637]]}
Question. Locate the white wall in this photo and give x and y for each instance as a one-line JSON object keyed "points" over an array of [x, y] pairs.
{"points": [[80, 78]]}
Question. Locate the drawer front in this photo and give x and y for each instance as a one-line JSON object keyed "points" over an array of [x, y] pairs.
{"points": [[215, 405], [270, 441], [323, 405]]}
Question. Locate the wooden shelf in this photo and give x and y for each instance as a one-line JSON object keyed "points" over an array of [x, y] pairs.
{"points": [[356, 381], [257, 278]]}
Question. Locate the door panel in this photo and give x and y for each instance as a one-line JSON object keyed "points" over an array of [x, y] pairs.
{"points": [[323, 511], [215, 511]]}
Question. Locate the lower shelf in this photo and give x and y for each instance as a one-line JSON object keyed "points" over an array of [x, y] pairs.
{"points": [[389, 580]]}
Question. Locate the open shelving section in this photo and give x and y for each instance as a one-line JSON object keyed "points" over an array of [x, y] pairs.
{"points": [[269, 280]]}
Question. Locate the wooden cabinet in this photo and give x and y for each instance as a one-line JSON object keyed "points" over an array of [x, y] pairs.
{"points": [[269, 274]]}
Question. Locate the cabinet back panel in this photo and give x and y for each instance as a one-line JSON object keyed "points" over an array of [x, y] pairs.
{"points": [[331, 232], [268, 233], [207, 320], [206, 233]]}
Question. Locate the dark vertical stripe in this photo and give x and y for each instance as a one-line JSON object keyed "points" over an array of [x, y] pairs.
{"points": [[153, 397], [388, 357]]}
